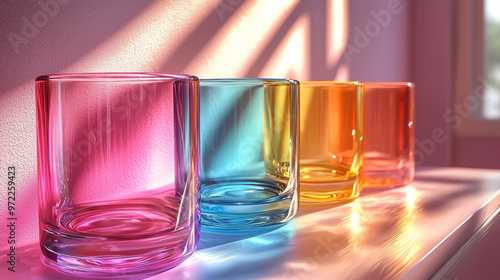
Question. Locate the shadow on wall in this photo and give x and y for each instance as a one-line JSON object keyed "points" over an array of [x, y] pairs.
{"points": [[43, 37], [54, 36], [277, 35]]}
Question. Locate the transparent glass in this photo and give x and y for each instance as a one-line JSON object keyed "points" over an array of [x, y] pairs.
{"points": [[248, 153], [389, 134], [118, 169], [331, 134]]}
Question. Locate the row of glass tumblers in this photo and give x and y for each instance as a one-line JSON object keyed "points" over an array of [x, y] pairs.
{"points": [[124, 158]]}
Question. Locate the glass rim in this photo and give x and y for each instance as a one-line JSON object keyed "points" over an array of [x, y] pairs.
{"points": [[389, 84], [116, 77], [248, 81], [330, 83]]}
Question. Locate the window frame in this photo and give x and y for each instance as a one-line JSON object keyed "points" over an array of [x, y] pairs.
{"points": [[465, 115]]}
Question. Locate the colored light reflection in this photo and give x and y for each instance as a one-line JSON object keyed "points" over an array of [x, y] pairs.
{"points": [[396, 224], [254, 255], [376, 236], [354, 222]]}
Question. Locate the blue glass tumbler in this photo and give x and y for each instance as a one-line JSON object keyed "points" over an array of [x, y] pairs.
{"points": [[249, 152]]}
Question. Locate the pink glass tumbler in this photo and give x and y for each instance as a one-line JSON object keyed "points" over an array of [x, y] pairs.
{"points": [[389, 134], [118, 171]]}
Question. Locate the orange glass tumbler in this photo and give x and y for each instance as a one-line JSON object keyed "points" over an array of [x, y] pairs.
{"points": [[389, 134], [331, 134]]}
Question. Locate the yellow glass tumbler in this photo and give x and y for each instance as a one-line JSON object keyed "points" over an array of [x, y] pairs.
{"points": [[331, 136]]}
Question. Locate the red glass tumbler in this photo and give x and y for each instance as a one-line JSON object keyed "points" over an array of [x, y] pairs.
{"points": [[389, 134]]}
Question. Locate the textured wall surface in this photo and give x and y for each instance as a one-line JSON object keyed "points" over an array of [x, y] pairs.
{"points": [[298, 39]]}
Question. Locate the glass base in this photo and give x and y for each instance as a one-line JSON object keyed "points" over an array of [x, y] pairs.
{"points": [[389, 178], [117, 239], [245, 205], [333, 192], [322, 184]]}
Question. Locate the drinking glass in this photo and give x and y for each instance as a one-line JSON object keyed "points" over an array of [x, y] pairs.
{"points": [[331, 135], [248, 152], [389, 134], [118, 168]]}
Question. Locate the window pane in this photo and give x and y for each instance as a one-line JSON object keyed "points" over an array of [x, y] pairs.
{"points": [[492, 59]]}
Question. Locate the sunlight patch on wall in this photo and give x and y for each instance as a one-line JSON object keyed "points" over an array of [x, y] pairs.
{"points": [[143, 44], [342, 73], [242, 39], [291, 59], [336, 30]]}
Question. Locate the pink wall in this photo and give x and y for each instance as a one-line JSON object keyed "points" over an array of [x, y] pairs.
{"points": [[477, 152], [385, 47], [299, 39], [434, 63], [431, 42]]}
